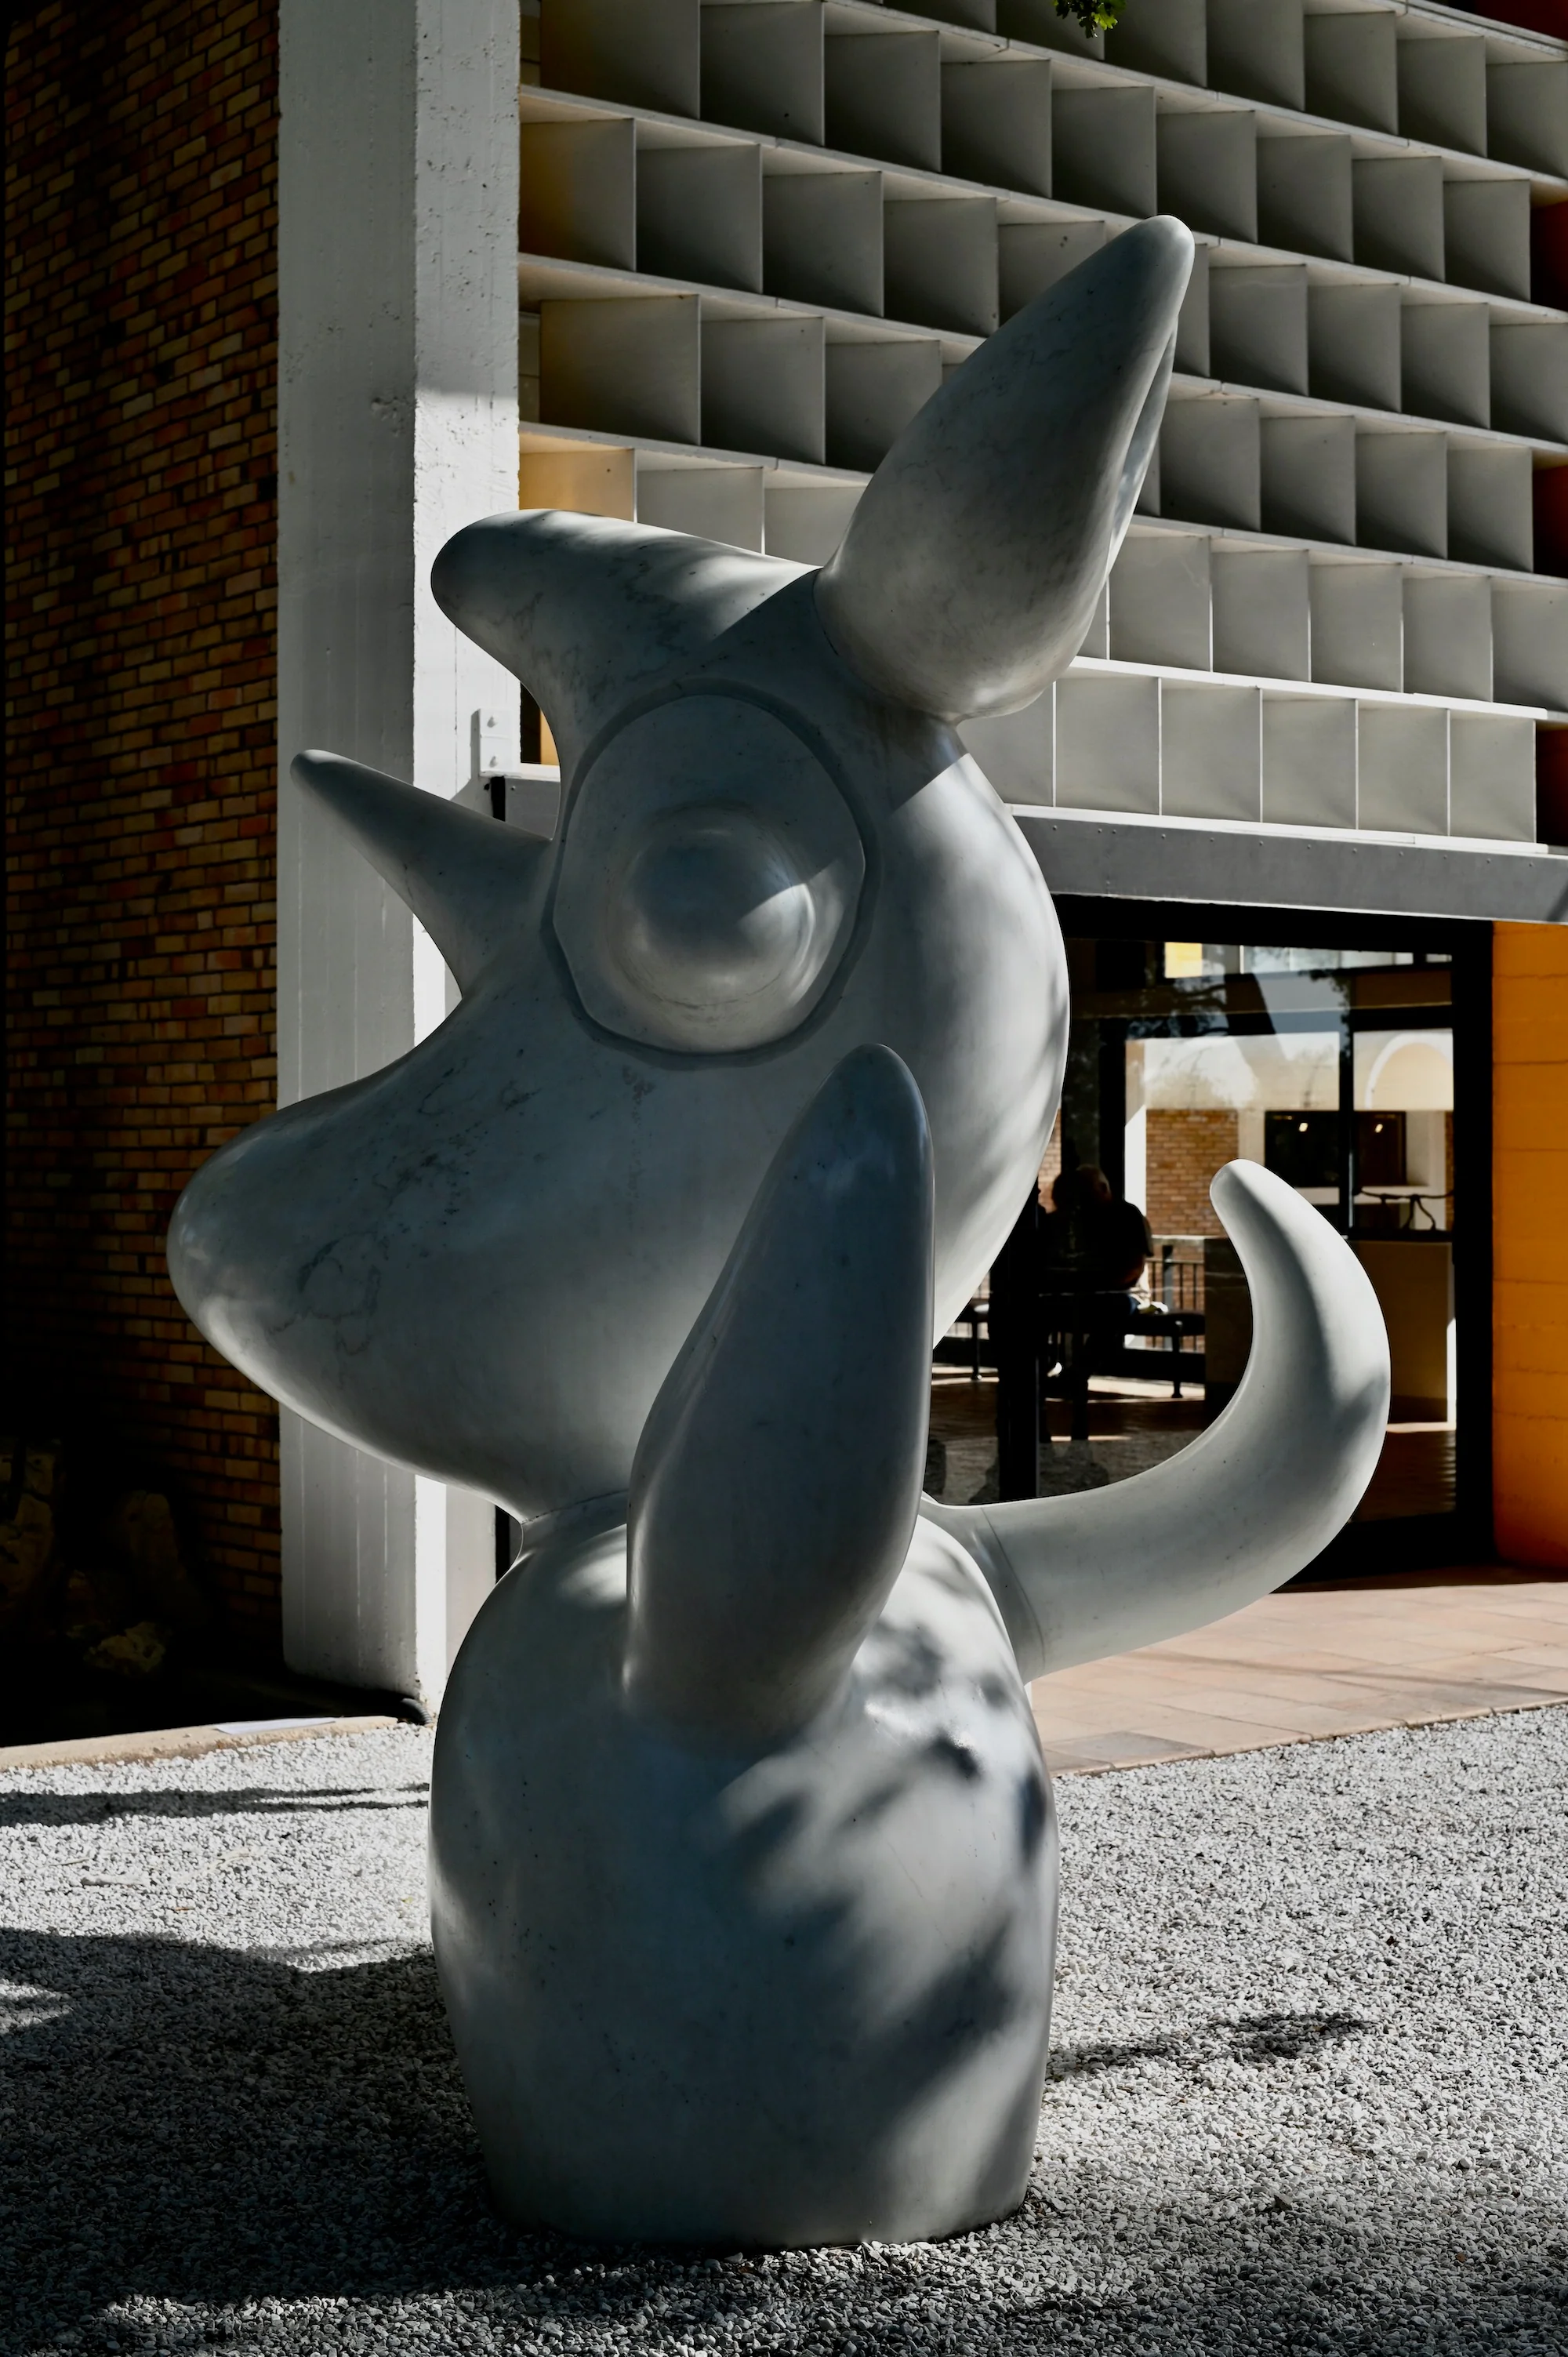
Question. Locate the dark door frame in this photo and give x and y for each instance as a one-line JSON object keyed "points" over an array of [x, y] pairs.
{"points": [[1418, 1541]]}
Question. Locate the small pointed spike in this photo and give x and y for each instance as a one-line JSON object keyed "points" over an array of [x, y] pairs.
{"points": [[972, 565], [1247, 1504], [776, 1481], [463, 877]]}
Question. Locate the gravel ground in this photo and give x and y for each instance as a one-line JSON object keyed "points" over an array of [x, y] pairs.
{"points": [[1309, 2092]]}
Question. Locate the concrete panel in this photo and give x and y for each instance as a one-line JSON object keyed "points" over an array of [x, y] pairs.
{"points": [[1491, 776], [1257, 52], [1401, 493], [398, 421], [1487, 235], [1309, 761], [822, 235], [1262, 612], [1446, 361], [1209, 752], [1208, 167], [723, 503], [1529, 378], [1304, 192], [762, 67], [1102, 149], [884, 95], [1353, 344], [940, 263], [1448, 635], [1257, 327], [1403, 769], [576, 194], [1108, 743], [699, 210], [628, 366], [1017, 751], [804, 523], [1351, 68], [1358, 625], [1398, 213], [873, 391], [1032, 256], [763, 386], [643, 52], [1159, 606], [996, 123], [1491, 514], [1443, 87], [1209, 461]]}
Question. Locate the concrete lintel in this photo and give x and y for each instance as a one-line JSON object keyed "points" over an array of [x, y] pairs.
{"points": [[1132, 858]]}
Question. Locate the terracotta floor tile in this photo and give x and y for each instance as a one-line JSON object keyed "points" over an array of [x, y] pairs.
{"points": [[1541, 1660], [1311, 1663]]}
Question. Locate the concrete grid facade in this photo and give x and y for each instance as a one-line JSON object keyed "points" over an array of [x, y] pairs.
{"points": [[697, 262]]}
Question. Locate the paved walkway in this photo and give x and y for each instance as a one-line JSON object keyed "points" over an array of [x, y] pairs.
{"points": [[1406, 1651], [1317, 1662]]}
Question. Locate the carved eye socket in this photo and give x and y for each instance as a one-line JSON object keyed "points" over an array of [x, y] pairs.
{"points": [[708, 879]]}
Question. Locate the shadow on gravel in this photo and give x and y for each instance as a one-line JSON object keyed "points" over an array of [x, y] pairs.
{"points": [[1260, 2037], [206, 2127], [23, 1808]]}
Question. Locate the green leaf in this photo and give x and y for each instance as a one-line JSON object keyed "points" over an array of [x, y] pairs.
{"points": [[1094, 16]]}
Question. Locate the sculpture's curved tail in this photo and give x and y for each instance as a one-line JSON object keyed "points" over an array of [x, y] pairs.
{"points": [[1246, 1505]]}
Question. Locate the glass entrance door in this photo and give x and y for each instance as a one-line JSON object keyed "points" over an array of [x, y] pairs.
{"points": [[1335, 1067]]}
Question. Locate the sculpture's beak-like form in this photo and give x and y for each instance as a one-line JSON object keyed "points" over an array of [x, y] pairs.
{"points": [[1246, 1505], [776, 1486], [973, 563]]}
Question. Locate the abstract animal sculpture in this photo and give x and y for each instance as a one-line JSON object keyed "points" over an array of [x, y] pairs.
{"points": [[743, 1858]]}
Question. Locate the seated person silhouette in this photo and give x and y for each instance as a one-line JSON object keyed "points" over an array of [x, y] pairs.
{"points": [[1092, 1247], [1060, 1290], [1093, 1241]]}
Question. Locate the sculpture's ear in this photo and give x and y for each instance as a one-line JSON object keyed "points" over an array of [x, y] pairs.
{"points": [[463, 875], [776, 1485], [971, 567]]}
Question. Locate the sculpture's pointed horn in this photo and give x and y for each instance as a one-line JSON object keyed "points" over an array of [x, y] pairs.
{"points": [[463, 877], [972, 565], [1246, 1505], [777, 1477], [587, 610]]}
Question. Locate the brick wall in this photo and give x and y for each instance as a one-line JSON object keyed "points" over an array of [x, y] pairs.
{"points": [[141, 266], [1185, 1149]]}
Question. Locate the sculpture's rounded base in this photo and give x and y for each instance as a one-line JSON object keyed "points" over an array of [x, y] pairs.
{"points": [[809, 2229], [772, 1999]]}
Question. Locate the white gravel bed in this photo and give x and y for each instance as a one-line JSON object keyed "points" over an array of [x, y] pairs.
{"points": [[1310, 2086]]}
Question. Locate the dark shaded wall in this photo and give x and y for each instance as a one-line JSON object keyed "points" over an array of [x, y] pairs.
{"points": [[141, 144]]}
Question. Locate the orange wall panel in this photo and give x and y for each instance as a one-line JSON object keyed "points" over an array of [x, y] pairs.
{"points": [[1530, 1226]]}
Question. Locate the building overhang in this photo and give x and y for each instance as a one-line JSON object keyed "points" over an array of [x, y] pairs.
{"points": [[1092, 854]]}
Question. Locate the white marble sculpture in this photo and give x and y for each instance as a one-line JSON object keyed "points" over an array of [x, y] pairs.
{"points": [[743, 1859]]}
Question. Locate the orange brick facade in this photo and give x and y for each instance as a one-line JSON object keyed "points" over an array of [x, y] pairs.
{"points": [[1185, 1149], [142, 254]]}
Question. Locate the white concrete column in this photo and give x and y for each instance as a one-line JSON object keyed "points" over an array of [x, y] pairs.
{"points": [[397, 423]]}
